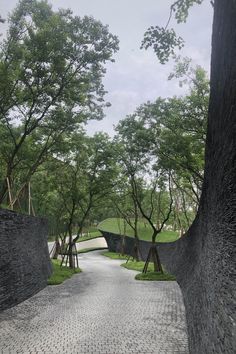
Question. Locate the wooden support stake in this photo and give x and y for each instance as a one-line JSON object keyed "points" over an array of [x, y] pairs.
{"points": [[29, 195], [9, 193]]}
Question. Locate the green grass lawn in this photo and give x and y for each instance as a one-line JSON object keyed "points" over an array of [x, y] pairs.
{"points": [[61, 273], [150, 275], [138, 266], [114, 255], [94, 233], [133, 265], [85, 250], [51, 238], [116, 226], [91, 235], [155, 276]]}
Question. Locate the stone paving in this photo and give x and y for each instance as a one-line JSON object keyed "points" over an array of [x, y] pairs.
{"points": [[100, 311]]}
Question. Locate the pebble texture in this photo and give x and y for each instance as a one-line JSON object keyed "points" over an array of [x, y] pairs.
{"points": [[102, 310], [24, 258]]}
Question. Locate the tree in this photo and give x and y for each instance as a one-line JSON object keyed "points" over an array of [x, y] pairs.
{"points": [[177, 133], [134, 143], [164, 41], [169, 135], [156, 216], [207, 253], [83, 176], [127, 209], [139, 165], [52, 65]]}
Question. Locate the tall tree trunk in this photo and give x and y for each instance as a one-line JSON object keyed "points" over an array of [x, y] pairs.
{"points": [[57, 248], [70, 248], [137, 253], [204, 259]]}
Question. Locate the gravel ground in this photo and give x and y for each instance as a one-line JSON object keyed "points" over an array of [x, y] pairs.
{"points": [[102, 310]]}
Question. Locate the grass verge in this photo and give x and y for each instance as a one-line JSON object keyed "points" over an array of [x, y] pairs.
{"points": [[114, 255], [150, 275], [61, 273], [155, 276], [91, 236], [138, 266], [133, 265], [85, 250]]}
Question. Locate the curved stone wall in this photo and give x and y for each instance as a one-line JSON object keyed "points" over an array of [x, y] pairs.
{"points": [[205, 270], [24, 259]]}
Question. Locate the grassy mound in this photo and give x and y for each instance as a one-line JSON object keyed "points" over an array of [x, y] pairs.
{"points": [[117, 226]]}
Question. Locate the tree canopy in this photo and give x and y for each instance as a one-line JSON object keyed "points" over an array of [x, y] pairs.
{"points": [[52, 65]]}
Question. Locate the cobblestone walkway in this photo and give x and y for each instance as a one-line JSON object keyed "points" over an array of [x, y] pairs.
{"points": [[101, 311]]}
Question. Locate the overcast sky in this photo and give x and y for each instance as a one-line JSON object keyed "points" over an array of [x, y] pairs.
{"points": [[136, 76]]}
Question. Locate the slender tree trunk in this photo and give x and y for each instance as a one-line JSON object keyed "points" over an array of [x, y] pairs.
{"points": [[122, 245], [123, 239], [70, 248], [57, 248], [137, 254], [153, 256]]}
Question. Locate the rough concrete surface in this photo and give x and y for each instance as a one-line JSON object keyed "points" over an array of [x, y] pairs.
{"points": [[102, 310], [206, 276], [24, 258]]}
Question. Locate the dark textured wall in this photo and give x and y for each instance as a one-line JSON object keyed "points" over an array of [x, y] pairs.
{"points": [[24, 259], [205, 271], [204, 260]]}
